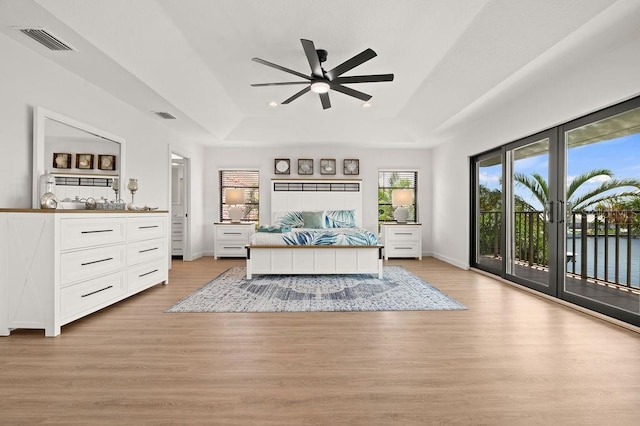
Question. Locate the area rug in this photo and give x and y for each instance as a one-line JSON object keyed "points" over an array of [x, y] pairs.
{"points": [[399, 290]]}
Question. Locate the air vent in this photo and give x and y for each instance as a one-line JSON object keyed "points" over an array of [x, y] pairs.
{"points": [[46, 39], [165, 115]]}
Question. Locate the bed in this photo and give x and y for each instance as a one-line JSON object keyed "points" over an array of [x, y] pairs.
{"points": [[334, 243]]}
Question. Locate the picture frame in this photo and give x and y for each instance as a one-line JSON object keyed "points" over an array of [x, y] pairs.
{"points": [[327, 166], [305, 166], [107, 162], [351, 166], [61, 160], [84, 161], [282, 166]]}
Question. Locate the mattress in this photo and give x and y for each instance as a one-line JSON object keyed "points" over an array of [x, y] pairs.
{"points": [[317, 237]]}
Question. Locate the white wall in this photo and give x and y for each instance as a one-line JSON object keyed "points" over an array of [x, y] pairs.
{"points": [[371, 160], [580, 80], [28, 79]]}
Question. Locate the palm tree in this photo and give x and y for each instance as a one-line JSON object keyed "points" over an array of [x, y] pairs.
{"points": [[540, 190]]}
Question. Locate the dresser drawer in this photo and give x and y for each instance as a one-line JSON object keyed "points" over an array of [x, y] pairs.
{"points": [[146, 274], [90, 263], [407, 249], [78, 233], [143, 251], [231, 249], [403, 234], [239, 233], [85, 296], [146, 227]]}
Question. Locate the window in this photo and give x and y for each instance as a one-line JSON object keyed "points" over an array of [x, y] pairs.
{"points": [[388, 180], [247, 180]]}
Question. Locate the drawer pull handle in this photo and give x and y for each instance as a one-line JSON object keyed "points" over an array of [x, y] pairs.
{"points": [[97, 291], [147, 273], [97, 261], [404, 233], [403, 248], [232, 247], [148, 226], [96, 231], [151, 249], [232, 233]]}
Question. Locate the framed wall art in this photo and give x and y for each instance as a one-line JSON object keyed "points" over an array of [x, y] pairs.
{"points": [[61, 160], [327, 166], [351, 166], [106, 162], [305, 166], [84, 161], [282, 166]]}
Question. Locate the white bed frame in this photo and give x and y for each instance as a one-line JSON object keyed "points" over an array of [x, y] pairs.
{"points": [[310, 195]]}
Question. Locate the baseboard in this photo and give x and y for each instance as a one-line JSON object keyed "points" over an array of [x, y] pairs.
{"points": [[595, 314], [451, 261]]}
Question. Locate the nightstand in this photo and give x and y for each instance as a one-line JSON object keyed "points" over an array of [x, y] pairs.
{"points": [[230, 238], [401, 239]]}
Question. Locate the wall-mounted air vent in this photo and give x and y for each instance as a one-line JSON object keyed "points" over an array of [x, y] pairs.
{"points": [[165, 115], [46, 39]]}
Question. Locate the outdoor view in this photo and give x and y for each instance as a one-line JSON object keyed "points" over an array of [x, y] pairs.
{"points": [[602, 211]]}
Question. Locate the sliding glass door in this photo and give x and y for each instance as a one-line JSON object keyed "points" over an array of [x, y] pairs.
{"points": [[531, 228], [603, 221], [559, 211], [488, 221]]}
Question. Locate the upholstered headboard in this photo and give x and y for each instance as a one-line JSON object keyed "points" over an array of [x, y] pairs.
{"points": [[316, 195]]}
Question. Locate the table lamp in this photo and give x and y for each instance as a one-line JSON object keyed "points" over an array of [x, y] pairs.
{"points": [[401, 198], [234, 198]]}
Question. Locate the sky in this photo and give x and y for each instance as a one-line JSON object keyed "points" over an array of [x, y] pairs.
{"points": [[620, 155]]}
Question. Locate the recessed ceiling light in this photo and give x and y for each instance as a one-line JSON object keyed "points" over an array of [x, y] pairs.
{"points": [[366, 105], [273, 104]]}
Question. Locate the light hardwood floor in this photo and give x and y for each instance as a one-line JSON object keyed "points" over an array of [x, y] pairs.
{"points": [[511, 358]]}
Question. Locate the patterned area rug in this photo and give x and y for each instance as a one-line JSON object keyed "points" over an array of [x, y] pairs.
{"points": [[399, 290]]}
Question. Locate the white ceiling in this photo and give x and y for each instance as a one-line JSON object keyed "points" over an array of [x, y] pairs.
{"points": [[192, 58]]}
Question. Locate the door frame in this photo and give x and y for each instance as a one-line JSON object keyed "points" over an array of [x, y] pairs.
{"points": [[187, 254]]}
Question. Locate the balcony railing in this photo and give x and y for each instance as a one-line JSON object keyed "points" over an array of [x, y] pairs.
{"points": [[601, 245]]}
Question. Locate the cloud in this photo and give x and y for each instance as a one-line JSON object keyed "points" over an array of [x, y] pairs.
{"points": [[489, 178], [599, 179]]}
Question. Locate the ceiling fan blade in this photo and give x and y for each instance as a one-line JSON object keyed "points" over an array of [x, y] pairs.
{"points": [[360, 58], [297, 95], [363, 79], [349, 91], [312, 57], [324, 98], [281, 68], [279, 84]]}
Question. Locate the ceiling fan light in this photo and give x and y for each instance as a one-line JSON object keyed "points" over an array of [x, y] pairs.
{"points": [[320, 87]]}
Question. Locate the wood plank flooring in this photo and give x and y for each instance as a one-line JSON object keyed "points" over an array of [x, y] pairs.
{"points": [[511, 358]]}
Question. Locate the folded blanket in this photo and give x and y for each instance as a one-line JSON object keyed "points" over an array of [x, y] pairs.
{"points": [[274, 229]]}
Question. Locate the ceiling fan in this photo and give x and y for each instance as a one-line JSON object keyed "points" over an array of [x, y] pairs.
{"points": [[321, 81]]}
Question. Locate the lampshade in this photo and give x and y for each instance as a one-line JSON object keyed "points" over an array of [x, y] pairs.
{"points": [[234, 196], [401, 197]]}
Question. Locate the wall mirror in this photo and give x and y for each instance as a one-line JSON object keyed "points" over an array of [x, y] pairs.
{"points": [[83, 159]]}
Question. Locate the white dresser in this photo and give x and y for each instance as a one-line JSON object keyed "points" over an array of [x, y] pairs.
{"points": [[58, 267], [401, 239], [230, 239]]}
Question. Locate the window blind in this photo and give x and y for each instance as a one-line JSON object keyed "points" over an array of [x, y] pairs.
{"points": [[249, 181], [388, 180]]}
